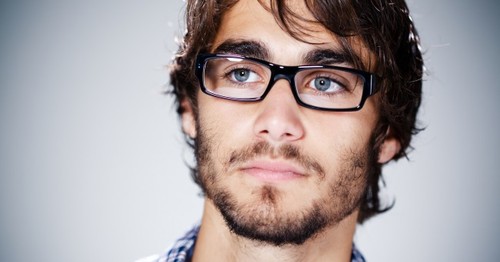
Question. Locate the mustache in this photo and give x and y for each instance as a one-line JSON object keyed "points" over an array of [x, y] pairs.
{"points": [[285, 151]]}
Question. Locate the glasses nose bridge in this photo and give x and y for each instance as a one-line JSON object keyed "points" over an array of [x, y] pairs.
{"points": [[283, 72]]}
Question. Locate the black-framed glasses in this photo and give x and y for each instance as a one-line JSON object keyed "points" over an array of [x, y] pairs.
{"points": [[321, 87]]}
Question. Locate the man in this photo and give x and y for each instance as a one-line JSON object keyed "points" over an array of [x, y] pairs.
{"points": [[292, 108]]}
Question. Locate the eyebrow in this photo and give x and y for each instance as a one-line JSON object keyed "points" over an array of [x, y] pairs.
{"points": [[327, 57], [250, 48], [259, 50]]}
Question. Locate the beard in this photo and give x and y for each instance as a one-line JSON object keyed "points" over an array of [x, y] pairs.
{"points": [[264, 218]]}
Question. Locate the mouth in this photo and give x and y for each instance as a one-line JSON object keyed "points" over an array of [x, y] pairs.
{"points": [[273, 170]]}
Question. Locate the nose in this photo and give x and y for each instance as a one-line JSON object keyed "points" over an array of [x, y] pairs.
{"points": [[278, 118]]}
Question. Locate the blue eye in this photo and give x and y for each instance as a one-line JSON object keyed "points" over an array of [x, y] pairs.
{"points": [[322, 83], [325, 84], [243, 75]]}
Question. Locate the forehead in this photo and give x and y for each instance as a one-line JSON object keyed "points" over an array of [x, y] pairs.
{"points": [[250, 20]]}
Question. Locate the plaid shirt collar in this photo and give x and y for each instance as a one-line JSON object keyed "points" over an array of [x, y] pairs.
{"points": [[182, 250]]}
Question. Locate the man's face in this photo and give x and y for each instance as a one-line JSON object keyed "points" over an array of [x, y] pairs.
{"points": [[279, 172]]}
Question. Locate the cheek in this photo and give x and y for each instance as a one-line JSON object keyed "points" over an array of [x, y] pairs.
{"points": [[332, 140], [225, 123], [344, 129]]}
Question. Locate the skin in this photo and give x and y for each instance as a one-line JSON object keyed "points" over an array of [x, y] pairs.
{"points": [[328, 138]]}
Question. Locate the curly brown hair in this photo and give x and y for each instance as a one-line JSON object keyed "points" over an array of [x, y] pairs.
{"points": [[385, 28]]}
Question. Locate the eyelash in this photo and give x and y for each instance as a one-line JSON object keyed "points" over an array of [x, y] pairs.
{"points": [[337, 82], [227, 73]]}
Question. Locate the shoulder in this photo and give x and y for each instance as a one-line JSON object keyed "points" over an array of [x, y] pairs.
{"points": [[180, 251], [356, 255]]}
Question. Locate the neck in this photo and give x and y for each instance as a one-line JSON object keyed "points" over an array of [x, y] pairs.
{"points": [[216, 240]]}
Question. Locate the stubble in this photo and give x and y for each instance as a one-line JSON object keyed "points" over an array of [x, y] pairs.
{"points": [[265, 219]]}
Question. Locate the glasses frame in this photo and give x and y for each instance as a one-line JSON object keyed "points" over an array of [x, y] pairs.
{"points": [[286, 72]]}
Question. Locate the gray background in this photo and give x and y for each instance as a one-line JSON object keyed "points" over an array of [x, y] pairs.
{"points": [[92, 159]]}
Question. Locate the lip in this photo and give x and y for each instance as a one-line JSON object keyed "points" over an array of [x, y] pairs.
{"points": [[273, 170]]}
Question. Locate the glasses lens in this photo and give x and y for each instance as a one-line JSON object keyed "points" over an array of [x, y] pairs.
{"points": [[329, 88], [235, 78]]}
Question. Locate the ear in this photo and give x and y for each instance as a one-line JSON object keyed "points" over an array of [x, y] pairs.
{"points": [[188, 119], [389, 148]]}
